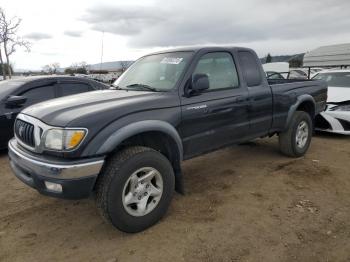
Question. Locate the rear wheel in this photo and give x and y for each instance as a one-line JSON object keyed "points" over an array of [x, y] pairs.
{"points": [[295, 141], [135, 188]]}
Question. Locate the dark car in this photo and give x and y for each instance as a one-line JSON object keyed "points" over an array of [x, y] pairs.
{"points": [[126, 145], [17, 94]]}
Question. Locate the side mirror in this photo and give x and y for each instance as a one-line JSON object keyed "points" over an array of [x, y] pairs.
{"points": [[15, 101], [200, 82]]}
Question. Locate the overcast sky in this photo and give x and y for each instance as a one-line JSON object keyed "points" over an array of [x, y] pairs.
{"points": [[71, 31]]}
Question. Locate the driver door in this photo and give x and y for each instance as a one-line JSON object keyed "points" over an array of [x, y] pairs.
{"points": [[217, 116]]}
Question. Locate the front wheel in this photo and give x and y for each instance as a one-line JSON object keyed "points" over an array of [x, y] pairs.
{"points": [[135, 188], [295, 141]]}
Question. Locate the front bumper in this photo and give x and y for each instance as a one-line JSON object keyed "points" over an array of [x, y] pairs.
{"points": [[337, 122], [76, 178]]}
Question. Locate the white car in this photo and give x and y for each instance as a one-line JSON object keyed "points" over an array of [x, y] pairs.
{"points": [[336, 118]]}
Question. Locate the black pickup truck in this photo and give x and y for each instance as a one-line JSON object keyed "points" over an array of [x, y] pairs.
{"points": [[126, 144]]}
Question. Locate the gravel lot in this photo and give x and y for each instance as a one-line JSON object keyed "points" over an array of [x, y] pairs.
{"points": [[244, 203]]}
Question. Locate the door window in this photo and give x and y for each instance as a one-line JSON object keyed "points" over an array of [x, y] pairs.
{"points": [[220, 69], [39, 94], [74, 88]]}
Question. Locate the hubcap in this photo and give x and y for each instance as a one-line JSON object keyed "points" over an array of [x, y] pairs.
{"points": [[302, 134], [142, 191]]}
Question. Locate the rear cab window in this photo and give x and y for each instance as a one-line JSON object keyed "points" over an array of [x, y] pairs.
{"points": [[250, 69]]}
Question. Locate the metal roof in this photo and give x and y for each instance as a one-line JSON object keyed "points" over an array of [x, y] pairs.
{"points": [[331, 55]]}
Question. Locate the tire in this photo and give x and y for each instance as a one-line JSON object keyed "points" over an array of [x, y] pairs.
{"points": [[289, 144], [118, 181]]}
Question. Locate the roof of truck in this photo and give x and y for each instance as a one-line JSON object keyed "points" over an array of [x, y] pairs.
{"points": [[200, 48], [33, 78]]}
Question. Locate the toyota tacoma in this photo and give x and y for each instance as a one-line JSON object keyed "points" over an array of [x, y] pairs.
{"points": [[125, 145]]}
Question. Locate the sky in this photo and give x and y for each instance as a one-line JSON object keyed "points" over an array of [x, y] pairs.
{"points": [[72, 31]]}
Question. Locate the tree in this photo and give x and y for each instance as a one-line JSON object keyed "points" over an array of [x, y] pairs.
{"points": [[9, 40], [77, 68], [4, 68], [296, 61], [69, 71], [81, 70], [268, 58], [51, 68]]}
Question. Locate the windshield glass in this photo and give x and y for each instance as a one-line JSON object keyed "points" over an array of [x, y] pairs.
{"points": [[158, 72], [338, 79], [8, 86]]}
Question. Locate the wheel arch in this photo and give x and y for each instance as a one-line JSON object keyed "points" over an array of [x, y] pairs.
{"points": [[156, 134], [304, 103]]}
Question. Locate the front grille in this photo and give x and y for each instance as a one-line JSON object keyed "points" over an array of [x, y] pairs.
{"points": [[25, 132]]}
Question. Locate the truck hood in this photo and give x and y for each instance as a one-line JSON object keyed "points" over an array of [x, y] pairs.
{"points": [[338, 94], [99, 107]]}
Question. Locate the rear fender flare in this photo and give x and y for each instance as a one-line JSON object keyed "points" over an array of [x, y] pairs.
{"points": [[301, 99]]}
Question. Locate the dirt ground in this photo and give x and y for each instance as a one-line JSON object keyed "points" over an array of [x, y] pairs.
{"points": [[244, 203]]}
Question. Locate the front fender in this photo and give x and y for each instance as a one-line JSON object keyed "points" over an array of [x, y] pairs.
{"points": [[118, 136]]}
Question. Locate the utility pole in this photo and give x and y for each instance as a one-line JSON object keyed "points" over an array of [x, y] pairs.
{"points": [[103, 34]]}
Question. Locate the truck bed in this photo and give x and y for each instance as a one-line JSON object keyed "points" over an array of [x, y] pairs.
{"points": [[285, 92], [286, 81]]}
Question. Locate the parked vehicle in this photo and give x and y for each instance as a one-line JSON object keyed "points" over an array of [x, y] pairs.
{"points": [[276, 67], [17, 94], [297, 74], [274, 75], [336, 118], [126, 145]]}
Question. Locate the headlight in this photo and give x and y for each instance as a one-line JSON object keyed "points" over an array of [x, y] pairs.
{"points": [[341, 108], [54, 139], [64, 139]]}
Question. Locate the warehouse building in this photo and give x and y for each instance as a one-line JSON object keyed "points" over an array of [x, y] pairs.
{"points": [[328, 56]]}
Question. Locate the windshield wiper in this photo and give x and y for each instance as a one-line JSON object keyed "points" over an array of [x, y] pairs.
{"points": [[142, 86], [115, 87]]}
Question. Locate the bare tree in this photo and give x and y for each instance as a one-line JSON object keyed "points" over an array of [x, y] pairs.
{"points": [[55, 67], [9, 39], [3, 71], [51, 68], [77, 68]]}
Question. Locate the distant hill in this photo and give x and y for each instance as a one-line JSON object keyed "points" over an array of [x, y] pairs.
{"points": [[110, 66], [284, 58]]}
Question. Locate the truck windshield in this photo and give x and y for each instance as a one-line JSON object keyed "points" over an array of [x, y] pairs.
{"points": [[336, 79], [158, 73]]}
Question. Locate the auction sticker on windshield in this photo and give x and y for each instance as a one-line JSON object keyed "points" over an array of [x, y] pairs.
{"points": [[171, 60]]}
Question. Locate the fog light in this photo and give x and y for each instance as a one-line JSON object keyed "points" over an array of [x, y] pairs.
{"points": [[53, 187]]}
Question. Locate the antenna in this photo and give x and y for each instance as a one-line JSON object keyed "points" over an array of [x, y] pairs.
{"points": [[103, 34]]}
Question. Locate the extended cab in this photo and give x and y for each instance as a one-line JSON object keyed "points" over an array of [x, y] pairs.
{"points": [[126, 144]]}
